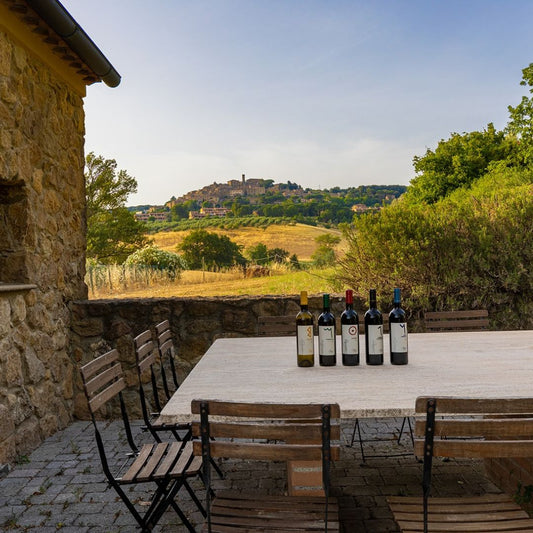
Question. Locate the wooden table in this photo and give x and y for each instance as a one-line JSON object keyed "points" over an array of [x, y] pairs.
{"points": [[263, 369]]}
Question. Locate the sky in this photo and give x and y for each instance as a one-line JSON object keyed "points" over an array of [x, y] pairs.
{"points": [[321, 93]]}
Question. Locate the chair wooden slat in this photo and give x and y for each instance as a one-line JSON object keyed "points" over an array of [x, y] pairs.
{"points": [[485, 406], [485, 427], [92, 367], [105, 378], [302, 432], [264, 410], [110, 392]]}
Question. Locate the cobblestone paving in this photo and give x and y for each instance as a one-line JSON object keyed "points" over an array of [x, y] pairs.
{"points": [[61, 487]]}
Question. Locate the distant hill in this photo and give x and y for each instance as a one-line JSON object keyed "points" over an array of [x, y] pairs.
{"points": [[264, 197]]}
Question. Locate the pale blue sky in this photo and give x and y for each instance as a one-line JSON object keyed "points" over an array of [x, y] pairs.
{"points": [[323, 93]]}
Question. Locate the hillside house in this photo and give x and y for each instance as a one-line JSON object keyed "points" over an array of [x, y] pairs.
{"points": [[46, 63]]}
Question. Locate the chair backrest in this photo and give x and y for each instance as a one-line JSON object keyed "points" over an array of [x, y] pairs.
{"points": [[147, 356], [474, 427], [276, 326], [103, 382], [469, 320], [167, 353], [266, 432]]}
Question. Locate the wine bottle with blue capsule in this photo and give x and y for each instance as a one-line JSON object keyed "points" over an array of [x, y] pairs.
{"points": [[398, 332]]}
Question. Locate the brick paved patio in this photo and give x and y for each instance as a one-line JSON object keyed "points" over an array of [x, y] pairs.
{"points": [[61, 487]]}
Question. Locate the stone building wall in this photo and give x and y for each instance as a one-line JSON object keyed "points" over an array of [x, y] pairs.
{"points": [[42, 245]]}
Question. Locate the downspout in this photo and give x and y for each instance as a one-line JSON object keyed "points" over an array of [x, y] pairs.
{"points": [[61, 21]]}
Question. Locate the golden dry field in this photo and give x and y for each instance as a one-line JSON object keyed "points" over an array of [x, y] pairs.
{"points": [[196, 283], [297, 239]]}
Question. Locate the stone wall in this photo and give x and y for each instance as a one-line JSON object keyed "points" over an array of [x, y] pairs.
{"points": [[42, 245]]}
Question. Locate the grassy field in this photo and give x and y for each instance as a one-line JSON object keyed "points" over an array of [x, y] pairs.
{"points": [[195, 283], [297, 239]]}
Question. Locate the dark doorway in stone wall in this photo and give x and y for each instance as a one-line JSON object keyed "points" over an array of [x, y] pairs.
{"points": [[13, 231]]}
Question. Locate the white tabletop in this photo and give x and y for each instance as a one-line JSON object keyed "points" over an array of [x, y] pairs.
{"points": [[487, 363]]}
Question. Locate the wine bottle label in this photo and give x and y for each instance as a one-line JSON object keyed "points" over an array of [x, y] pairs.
{"points": [[350, 346], [305, 340], [398, 337], [326, 340], [375, 339]]}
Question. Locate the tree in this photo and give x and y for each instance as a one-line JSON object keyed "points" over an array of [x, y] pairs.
{"points": [[258, 254], [204, 249], [112, 231], [325, 255], [457, 162], [521, 124]]}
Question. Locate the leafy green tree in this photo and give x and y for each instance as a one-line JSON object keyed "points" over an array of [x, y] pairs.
{"points": [[278, 255], [258, 254], [204, 249], [295, 264], [112, 231], [325, 254], [457, 162], [520, 125]]}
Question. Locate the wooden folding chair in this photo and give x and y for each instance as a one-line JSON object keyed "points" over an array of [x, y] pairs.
{"points": [[165, 466], [263, 432], [149, 363], [473, 428]]}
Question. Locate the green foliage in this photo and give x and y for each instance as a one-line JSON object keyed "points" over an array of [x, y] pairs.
{"points": [[258, 254], [154, 257], [112, 231], [471, 249], [261, 255], [520, 126], [113, 235], [457, 162], [202, 249], [325, 254]]}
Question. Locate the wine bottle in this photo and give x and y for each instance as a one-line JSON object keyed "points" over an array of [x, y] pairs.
{"points": [[327, 348], [350, 333], [398, 332], [373, 332], [305, 341]]}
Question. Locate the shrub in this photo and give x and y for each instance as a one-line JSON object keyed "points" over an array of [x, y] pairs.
{"points": [[154, 257]]}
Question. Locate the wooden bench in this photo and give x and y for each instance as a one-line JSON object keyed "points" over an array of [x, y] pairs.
{"points": [[268, 432], [470, 320], [468, 428]]}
